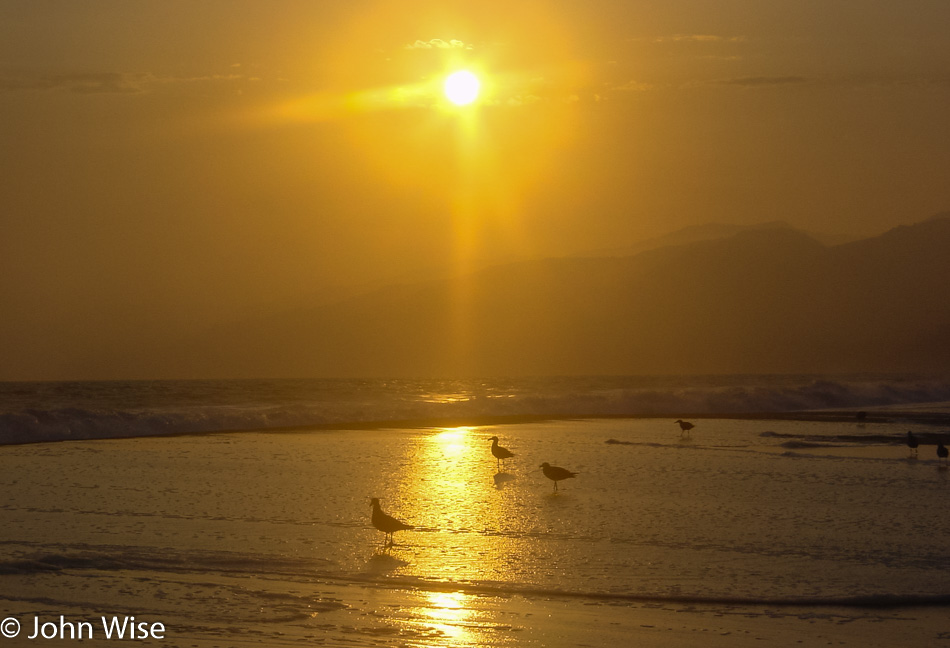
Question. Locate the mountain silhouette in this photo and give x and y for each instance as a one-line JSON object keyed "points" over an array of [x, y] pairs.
{"points": [[710, 232], [770, 300]]}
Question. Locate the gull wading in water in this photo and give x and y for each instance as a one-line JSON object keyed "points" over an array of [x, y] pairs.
{"points": [[912, 442], [386, 523], [556, 473], [685, 427], [499, 452]]}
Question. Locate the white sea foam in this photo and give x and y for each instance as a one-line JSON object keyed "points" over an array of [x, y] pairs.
{"points": [[39, 412]]}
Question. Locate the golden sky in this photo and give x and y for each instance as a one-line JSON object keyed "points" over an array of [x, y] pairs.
{"points": [[169, 161]]}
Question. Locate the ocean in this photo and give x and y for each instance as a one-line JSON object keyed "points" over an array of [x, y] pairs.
{"points": [[237, 513], [32, 412]]}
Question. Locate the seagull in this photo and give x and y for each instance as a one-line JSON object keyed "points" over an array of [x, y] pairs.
{"points": [[499, 452], [685, 426], [942, 452], [556, 474], [912, 442], [385, 523]]}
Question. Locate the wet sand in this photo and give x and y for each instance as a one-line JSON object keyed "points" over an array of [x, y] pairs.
{"points": [[264, 539], [359, 615]]}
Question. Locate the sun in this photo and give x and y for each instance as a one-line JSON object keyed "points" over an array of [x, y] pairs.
{"points": [[461, 88]]}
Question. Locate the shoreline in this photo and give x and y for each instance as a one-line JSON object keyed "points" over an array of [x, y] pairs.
{"points": [[258, 538], [859, 602], [921, 417]]}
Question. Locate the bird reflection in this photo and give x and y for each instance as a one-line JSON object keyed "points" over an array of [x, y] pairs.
{"points": [[386, 523], [502, 478]]}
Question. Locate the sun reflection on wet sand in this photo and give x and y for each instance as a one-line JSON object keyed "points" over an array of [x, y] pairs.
{"points": [[449, 618], [453, 441], [448, 613], [465, 535], [472, 530]]}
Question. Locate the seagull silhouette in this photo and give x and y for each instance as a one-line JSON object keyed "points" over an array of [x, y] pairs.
{"points": [[942, 452], [386, 523], [912, 442], [685, 426], [499, 452], [556, 473]]}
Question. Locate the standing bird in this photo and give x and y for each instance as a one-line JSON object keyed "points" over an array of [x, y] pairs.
{"points": [[912, 442], [556, 474], [386, 523], [499, 452], [942, 452], [685, 427]]}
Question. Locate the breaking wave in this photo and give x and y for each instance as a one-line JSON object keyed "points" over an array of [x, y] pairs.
{"points": [[41, 412]]}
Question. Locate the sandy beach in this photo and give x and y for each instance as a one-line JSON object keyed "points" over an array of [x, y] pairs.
{"points": [[726, 538], [353, 615]]}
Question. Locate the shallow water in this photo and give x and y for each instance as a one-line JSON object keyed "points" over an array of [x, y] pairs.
{"points": [[242, 534]]}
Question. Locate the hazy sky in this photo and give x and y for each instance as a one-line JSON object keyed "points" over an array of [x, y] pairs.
{"points": [[168, 164]]}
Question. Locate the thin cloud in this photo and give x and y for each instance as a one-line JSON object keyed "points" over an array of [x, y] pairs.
{"points": [[693, 38], [697, 38], [206, 78], [99, 82], [438, 43], [80, 83], [104, 82], [633, 86], [523, 100], [828, 82], [719, 57], [757, 81]]}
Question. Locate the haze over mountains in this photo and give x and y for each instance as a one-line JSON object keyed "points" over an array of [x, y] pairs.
{"points": [[764, 300], [713, 231]]}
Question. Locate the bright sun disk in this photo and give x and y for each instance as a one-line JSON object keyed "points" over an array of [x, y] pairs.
{"points": [[461, 88]]}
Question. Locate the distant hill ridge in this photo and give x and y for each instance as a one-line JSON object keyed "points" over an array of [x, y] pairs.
{"points": [[710, 232], [764, 300]]}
